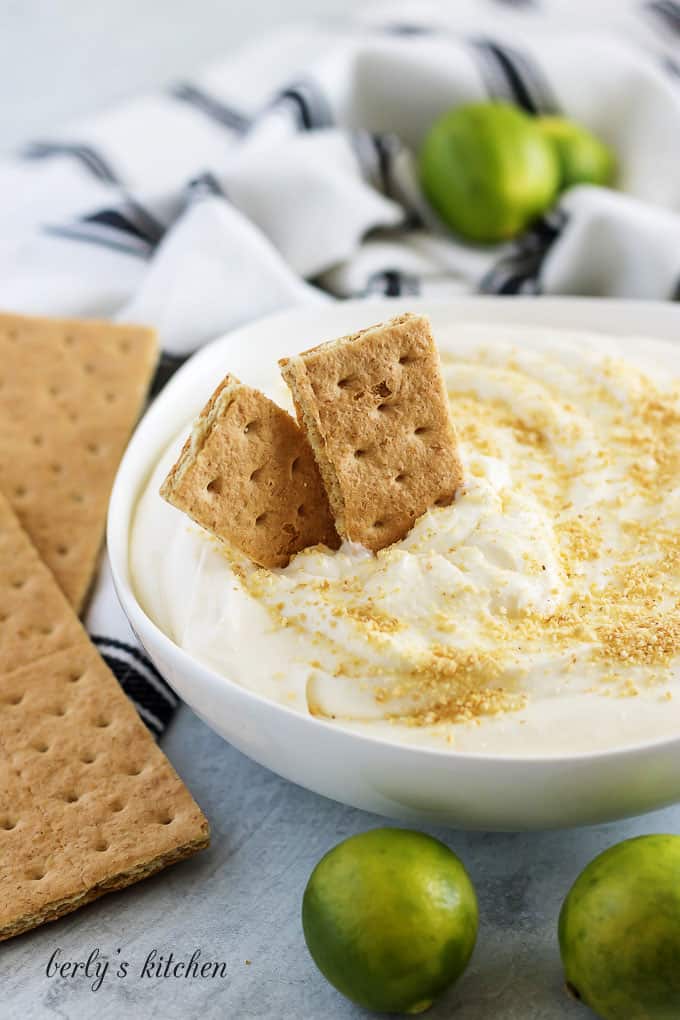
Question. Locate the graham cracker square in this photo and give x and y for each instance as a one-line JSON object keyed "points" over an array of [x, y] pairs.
{"points": [[70, 394], [375, 410], [248, 476], [88, 801]]}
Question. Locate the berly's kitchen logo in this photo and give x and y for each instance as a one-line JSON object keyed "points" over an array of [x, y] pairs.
{"points": [[97, 967]]}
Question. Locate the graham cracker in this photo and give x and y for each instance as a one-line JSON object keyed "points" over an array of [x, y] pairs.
{"points": [[247, 475], [70, 393], [88, 802], [375, 410]]}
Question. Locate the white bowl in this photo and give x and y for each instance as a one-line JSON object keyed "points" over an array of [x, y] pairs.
{"points": [[418, 784]]}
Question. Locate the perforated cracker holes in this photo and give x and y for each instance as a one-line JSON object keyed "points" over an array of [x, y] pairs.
{"points": [[88, 802], [248, 476], [72, 392], [375, 411]]}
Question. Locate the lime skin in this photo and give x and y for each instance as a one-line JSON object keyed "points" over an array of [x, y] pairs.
{"points": [[488, 171], [390, 919], [619, 931], [583, 158]]}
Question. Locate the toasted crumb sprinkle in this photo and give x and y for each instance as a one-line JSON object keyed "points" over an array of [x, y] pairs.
{"points": [[649, 639], [581, 540], [370, 616], [613, 574]]}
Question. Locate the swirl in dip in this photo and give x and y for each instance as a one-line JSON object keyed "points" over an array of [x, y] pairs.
{"points": [[538, 614]]}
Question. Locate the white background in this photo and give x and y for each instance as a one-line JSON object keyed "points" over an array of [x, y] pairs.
{"points": [[60, 59]]}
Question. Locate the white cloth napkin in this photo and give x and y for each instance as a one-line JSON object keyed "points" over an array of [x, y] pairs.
{"points": [[287, 174]]}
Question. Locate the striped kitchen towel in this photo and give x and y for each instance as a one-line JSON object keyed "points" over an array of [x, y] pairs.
{"points": [[286, 174]]}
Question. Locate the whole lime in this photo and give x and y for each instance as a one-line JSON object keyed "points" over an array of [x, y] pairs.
{"points": [[488, 170], [583, 158], [619, 931], [390, 918]]}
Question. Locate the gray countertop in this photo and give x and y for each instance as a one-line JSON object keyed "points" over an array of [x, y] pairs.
{"points": [[240, 901]]}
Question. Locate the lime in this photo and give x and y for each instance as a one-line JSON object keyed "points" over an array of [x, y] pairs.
{"points": [[619, 931], [583, 158], [390, 918], [488, 170]]}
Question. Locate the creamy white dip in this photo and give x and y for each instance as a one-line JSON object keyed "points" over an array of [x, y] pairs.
{"points": [[539, 614]]}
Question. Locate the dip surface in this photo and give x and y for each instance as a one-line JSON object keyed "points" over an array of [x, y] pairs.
{"points": [[538, 614]]}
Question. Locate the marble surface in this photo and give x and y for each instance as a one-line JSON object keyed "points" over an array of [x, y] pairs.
{"points": [[240, 901]]}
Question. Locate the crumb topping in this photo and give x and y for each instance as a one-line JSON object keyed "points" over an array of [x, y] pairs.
{"points": [[558, 565]]}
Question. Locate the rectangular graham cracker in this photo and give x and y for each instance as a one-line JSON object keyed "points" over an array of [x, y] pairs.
{"points": [[70, 393], [88, 802], [375, 410], [247, 475]]}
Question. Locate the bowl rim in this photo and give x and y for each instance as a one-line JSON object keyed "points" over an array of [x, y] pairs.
{"points": [[123, 503]]}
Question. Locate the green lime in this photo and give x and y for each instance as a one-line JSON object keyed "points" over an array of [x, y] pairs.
{"points": [[619, 931], [488, 170], [583, 158], [390, 918]]}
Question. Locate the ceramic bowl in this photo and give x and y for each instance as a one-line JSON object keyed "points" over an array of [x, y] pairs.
{"points": [[466, 790]]}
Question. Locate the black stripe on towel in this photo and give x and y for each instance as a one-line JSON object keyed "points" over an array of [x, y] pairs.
{"points": [[129, 228], [668, 14], [375, 154], [509, 74], [79, 231], [671, 66], [151, 227], [141, 681], [214, 108], [309, 104], [407, 28], [123, 646], [302, 110], [391, 283], [205, 185], [165, 369], [115, 219], [518, 270], [97, 165], [384, 149]]}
